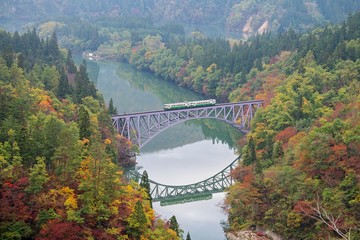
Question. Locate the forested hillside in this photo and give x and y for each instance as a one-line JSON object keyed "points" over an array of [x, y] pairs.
{"points": [[59, 156], [299, 176], [213, 67], [243, 16]]}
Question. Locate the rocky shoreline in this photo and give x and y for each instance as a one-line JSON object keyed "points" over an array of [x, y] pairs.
{"points": [[252, 235]]}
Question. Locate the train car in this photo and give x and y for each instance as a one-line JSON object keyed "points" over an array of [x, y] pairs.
{"points": [[192, 104]]}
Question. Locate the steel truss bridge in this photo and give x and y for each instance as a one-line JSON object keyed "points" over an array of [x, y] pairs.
{"points": [[140, 128], [167, 194]]}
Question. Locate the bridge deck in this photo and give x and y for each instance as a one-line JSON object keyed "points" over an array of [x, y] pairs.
{"points": [[176, 110]]}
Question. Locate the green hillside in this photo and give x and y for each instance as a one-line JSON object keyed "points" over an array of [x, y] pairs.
{"points": [[60, 174], [299, 176]]}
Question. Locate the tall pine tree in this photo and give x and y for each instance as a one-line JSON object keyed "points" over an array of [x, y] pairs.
{"points": [[52, 50], [112, 110], [64, 86], [83, 86], [38, 176], [250, 153], [84, 123], [146, 185], [137, 221], [188, 236], [174, 225], [70, 65]]}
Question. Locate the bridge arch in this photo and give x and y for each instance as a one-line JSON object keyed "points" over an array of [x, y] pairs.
{"points": [[140, 128], [162, 129]]}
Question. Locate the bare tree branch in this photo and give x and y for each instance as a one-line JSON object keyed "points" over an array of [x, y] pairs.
{"points": [[319, 213]]}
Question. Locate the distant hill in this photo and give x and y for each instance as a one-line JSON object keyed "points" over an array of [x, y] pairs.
{"points": [[242, 16]]}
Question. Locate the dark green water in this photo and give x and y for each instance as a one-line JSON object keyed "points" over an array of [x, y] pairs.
{"points": [[186, 153]]}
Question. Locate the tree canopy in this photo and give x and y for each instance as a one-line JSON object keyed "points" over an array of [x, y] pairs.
{"points": [[60, 175]]}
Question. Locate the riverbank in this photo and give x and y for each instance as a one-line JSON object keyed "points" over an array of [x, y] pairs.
{"points": [[246, 235], [252, 235]]}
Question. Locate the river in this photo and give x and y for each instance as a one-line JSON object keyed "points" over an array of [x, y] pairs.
{"points": [[186, 153]]}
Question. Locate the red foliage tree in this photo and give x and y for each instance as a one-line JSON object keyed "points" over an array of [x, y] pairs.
{"points": [[239, 173], [101, 235], [13, 201], [332, 176], [57, 230], [285, 135]]}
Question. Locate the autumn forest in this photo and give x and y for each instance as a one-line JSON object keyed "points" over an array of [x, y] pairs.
{"points": [[61, 161]]}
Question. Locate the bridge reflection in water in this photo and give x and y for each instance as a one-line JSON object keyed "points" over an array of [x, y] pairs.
{"points": [[168, 194]]}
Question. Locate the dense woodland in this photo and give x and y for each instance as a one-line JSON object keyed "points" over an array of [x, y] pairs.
{"points": [[212, 67], [60, 158], [299, 175]]}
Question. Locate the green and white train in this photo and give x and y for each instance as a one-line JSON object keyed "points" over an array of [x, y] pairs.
{"points": [[192, 104]]}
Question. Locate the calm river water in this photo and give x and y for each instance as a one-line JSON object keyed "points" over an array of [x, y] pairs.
{"points": [[184, 154]]}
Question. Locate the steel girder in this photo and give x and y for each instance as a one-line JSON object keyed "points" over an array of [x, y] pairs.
{"points": [[140, 128], [217, 183]]}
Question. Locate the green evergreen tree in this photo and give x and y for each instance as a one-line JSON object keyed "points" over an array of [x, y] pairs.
{"points": [[188, 236], [16, 42], [278, 152], [137, 221], [83, 86], [258, 168], [258, 64], [25, 143], [50, 78], [68, 152], [269, 146], [84, 123], [15, 230], [21, 61], [144, 183], [250, 153], [174, 225], [6, 167], [52, 127], [70, 65], [112, 110], [52, 50], [7, 54], [64, 87], [45, 215], [16, 157], [38, 176]]}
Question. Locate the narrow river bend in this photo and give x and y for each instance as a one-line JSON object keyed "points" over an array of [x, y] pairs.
{"points": [[186, 153]]}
